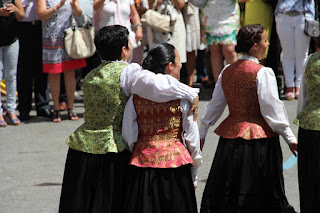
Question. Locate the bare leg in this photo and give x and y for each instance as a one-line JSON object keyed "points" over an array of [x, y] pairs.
{"points": [[229, 53], [216, 60], [191, 65], [70, 84], [54, 84]]}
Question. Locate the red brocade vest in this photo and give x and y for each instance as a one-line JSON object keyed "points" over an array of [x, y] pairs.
{"points": [[159, 143], [239, 84]]}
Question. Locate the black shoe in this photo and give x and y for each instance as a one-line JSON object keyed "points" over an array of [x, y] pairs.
{"points": [[24, 116], [44, 113]]}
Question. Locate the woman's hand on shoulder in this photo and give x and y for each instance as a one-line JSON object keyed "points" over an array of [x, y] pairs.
{"points": [[194, 108], [294, 148]]}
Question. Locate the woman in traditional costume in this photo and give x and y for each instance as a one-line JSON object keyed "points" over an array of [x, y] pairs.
{"points": [[159, 177], [246, 173], [308, 120], [97, 160]]}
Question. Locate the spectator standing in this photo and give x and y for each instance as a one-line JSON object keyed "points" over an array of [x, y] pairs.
{"points": [[221, 23], [177, 37], [290, 22], [56, 17], [30, 74], [117, 12], [9, 51], [192, 24]]}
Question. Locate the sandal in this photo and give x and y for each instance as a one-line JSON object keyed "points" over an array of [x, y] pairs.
{"points": [[13, 121], [72, 115], [3, 123], [56, 116]]}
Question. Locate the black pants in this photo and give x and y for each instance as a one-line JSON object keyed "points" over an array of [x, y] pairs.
{"points": [[30, 68], [309, 170]]}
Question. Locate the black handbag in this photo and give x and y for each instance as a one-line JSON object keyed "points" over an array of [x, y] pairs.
{"points": [[312, 27]]}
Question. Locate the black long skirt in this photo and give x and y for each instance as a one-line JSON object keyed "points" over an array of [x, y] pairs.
{"points": [[93, 183], [246, 177], [309, 170], [158, 190]]}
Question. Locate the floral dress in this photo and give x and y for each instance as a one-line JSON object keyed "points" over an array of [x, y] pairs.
{"points": [[220, 21], [54, 56]]}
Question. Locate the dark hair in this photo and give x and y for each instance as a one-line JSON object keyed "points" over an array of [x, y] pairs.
{"points": [[110, 40], [248, 36], [159, 57]]}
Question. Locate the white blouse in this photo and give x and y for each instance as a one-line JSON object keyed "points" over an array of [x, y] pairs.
{"points": [[106, 15], [271, 107], [155, 87], [190, 132], [303, 99]]}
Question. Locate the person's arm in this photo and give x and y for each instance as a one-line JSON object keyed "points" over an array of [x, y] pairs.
{"points": [[16, 8], [46, 13], [192, 139], [303, 95], [272, 108], [155, 87], [178, 4], [130, 125], [136, 22], [98, 4], [76, 9], [214, 109]]}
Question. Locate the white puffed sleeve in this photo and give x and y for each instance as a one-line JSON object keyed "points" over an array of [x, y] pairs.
{"points": [[154, 87]]}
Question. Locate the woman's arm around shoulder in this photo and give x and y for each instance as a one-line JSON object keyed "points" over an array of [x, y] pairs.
{"points": [[154, 87]]}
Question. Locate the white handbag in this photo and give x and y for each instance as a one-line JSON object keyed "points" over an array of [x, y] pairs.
{"points": [[79, 41]]}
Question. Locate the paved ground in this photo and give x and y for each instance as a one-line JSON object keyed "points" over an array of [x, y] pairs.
{"points": [[32, 158]]}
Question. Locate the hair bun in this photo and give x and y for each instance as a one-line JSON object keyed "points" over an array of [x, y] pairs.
{"points": [[238, 49]]}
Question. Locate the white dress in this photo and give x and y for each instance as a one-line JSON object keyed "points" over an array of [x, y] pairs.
{"points": [[192, 22]]}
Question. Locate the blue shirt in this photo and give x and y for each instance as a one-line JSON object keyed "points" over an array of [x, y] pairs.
{"points": [[87, 7], [296, 6]]}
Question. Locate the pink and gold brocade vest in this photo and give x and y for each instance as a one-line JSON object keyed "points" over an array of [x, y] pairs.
{"points": [[159, 143], [245, 120]]}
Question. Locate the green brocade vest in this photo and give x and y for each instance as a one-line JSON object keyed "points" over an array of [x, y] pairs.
{"points": [[309, 117], [104, 103]]}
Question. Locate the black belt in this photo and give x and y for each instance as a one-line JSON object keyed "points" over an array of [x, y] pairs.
{"points": [[36, 22]]}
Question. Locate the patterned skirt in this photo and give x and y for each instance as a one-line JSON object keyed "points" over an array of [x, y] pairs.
{"points": [[93, 183], [246, 177], [159, 190], [55, 58]]}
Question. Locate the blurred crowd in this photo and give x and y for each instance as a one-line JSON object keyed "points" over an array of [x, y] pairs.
{"points": [[33, 56]]}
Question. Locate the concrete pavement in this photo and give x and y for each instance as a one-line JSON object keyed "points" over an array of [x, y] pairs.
{"points": [[32, 158]]}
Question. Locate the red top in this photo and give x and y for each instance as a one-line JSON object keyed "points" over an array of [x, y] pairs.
{"points": [[239, 84], [159, 144]]}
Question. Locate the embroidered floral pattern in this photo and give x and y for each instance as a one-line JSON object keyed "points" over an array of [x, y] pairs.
{"points": [[309, 117], [160, 143], [104, 103], [240, 89]]}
